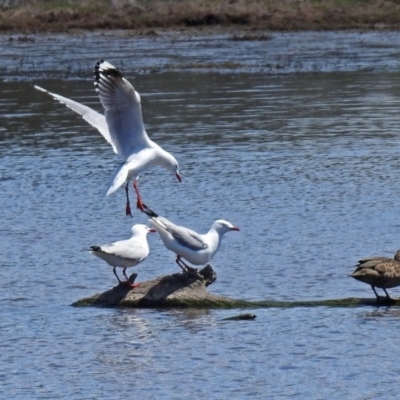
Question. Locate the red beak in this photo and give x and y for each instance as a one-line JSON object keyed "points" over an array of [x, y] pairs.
{"points": [[235, 228], [153, 230], [179, 177]]}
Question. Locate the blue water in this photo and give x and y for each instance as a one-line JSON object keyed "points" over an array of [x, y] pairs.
{"points": [[306, 164]]}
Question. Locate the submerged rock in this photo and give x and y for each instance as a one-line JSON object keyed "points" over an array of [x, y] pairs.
{"points": [[241, 317]]}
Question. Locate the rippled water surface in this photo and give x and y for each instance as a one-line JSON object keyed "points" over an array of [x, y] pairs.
{"points": [[305, 163]]}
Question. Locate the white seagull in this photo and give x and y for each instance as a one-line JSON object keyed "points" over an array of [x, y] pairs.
{"points": [[126, 253], [122, 127], [196, 248]]}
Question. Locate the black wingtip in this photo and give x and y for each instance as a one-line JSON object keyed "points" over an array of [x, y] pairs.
{"points": [[149, 211], [110, 71], [95, 248], [96, 70]]}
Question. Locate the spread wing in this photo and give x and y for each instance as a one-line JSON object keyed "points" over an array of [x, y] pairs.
{"points": [[122, 107], [88, 114]]}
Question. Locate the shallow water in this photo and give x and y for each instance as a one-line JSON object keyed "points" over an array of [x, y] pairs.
{"points": [[58, 56], [306, 164]]}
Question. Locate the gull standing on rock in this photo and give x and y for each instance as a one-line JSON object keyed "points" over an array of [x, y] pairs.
{"points": [[379, 272], [126, 253], [196, 248], [122, 127]]}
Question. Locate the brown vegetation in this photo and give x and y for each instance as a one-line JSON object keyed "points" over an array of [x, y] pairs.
{"points": [[283, 15]]}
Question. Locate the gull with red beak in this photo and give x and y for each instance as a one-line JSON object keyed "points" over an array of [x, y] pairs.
{"points": [[125, 253], [122, 127], [187, 244]]}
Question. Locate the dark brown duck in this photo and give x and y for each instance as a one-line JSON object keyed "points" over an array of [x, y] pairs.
{"points": [[379, 272]]}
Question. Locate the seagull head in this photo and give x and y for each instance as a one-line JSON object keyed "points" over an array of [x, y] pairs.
{"points": [[141, 229], [169, 162], [222, 226]]}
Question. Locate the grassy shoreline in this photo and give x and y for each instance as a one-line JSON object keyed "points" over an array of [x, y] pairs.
{"points": [[144, 16]]}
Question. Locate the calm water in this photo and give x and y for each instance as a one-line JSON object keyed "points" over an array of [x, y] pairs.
{"points": [[305, 163]]}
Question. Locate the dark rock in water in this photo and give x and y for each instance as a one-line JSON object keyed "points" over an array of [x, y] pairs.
{"points": [[132, 278], [187, 289], [241, 317]]}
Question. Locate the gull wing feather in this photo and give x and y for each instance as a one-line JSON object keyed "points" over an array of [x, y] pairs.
{"points": [[184, 236], [122, 107], [124, 249], [119, 178], [91, 116]]}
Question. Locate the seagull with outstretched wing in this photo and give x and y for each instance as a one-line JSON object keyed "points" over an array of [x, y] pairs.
{"points": [[122, 127]]}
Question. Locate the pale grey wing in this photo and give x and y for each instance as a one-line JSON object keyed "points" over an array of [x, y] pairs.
{"points": [[122, 109], [126, 249], [184, 236], [91, 116]]}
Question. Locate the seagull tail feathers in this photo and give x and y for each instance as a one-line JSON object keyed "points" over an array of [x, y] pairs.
{"points": [[149, 211], [119, 178]]}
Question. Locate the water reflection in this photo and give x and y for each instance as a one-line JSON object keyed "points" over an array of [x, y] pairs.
{"points": [[381, 312]]}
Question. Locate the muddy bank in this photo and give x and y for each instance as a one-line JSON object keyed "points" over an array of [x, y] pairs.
{"points": [[144, 16]]}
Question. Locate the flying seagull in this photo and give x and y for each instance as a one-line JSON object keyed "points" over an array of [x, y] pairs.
{"points": [[122, 127]]}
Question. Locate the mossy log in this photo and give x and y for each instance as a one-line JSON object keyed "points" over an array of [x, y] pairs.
{"points": [[190, 290]]}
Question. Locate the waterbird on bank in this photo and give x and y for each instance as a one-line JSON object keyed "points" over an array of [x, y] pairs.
{"points": [[380, 272], [187, 244], [126, 253], [122, 127]]}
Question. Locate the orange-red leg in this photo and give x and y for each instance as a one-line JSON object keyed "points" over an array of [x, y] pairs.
{"points": [[139, 203]]}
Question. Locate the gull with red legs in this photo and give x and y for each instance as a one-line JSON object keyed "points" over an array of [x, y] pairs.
{"points": [[122, 127], [125, 253], [196, 248]]}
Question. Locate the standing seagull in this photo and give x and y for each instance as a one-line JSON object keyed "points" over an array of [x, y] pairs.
{"points": [[122, 127], [185, 243], [379, 272], [126, 253]]}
